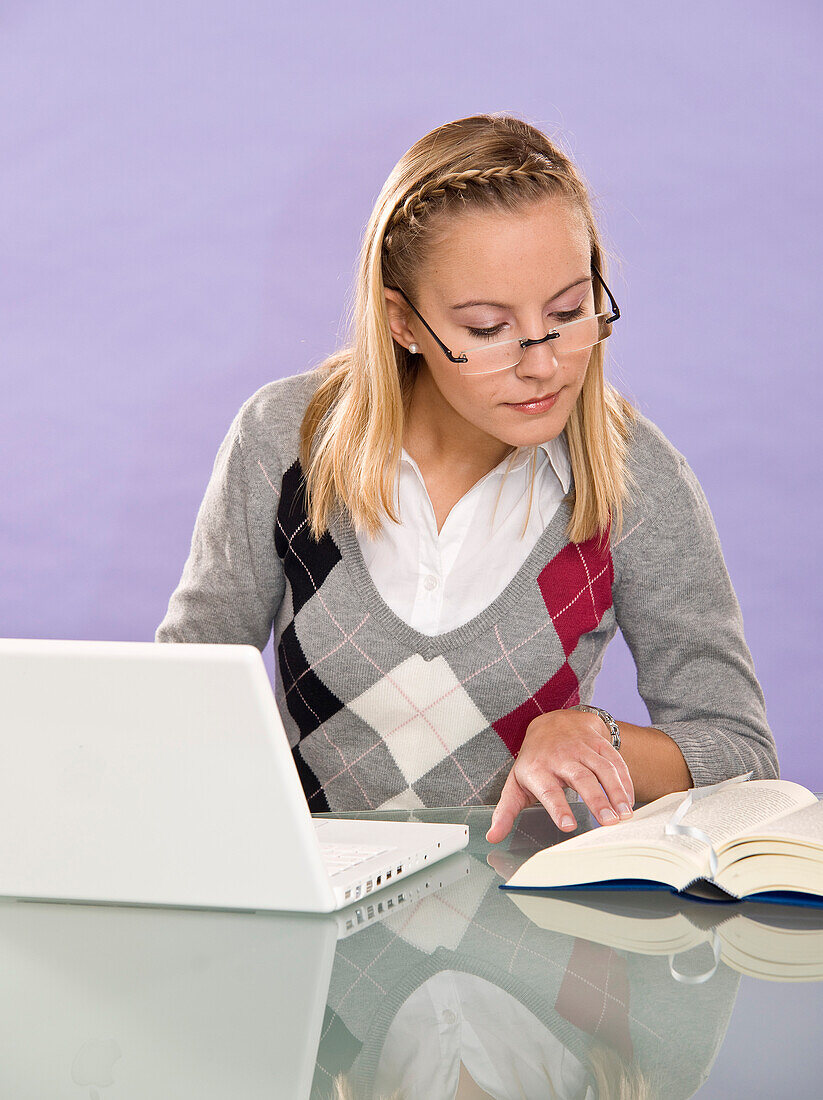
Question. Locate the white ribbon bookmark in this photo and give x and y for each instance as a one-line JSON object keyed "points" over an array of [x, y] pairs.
{"points": [[674, 828], [697, 979]]}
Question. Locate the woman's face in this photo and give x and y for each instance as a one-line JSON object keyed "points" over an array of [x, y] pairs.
{"points": [[522, 274]]}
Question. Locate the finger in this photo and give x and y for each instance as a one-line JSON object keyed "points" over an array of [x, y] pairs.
{"points": [[513, 799], [605, 748], [622, 770], [551, 796], [583, 779], [613, 776]]}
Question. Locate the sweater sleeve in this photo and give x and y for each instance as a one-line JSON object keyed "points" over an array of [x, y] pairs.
{"points": [[681, 619], [232, 582]]}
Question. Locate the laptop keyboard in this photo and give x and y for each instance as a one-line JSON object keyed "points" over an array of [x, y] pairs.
{"points": [[340, 857]]}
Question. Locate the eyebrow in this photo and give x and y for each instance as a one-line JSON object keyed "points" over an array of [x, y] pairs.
{"points": [[502, 305]]}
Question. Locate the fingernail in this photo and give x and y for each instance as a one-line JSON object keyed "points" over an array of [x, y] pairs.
{"points": [[608, 815], [625, 809], [566, 822]]}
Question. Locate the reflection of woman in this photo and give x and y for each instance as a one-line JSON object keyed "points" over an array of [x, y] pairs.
{"points": [[518, 1057], [490, 1045], [464, 997], [447, 521]]}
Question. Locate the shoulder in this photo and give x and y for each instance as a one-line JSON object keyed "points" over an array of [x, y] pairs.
{"points": [[267, 424], [658, 473], [665, 510], [276, 405], [652, 458]]}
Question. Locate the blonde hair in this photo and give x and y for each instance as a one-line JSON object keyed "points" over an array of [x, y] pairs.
{"points": [[351, 435]]}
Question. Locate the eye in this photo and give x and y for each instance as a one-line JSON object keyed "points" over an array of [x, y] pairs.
{"points": [[563, 317], [570, 314], [485, 333]]}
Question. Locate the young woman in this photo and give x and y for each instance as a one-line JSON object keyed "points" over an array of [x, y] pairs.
{"points": [[448, 520]]}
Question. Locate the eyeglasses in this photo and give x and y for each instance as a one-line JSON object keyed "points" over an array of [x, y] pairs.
{"points": [[573, 336]]}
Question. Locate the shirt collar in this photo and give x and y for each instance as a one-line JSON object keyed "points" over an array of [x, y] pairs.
{"points": [[556, 450]]}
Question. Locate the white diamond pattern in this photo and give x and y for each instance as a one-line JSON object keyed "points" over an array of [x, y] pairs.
{"points": [[422, 712], [406, 800]]}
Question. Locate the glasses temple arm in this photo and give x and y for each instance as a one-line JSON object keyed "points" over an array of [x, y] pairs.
{"points": [[454, 358], [613, 303]]}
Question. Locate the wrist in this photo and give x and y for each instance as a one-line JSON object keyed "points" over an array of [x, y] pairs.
{"points": [[612, 728]]}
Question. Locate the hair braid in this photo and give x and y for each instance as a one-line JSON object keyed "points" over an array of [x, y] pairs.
{"points": [[536, 168]]}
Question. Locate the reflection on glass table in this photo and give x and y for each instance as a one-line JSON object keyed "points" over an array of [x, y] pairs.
{"points": [[444, 986], [473, 992]]}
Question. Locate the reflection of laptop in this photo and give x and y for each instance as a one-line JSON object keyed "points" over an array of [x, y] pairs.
{"points": [[132, 1003], [160, 773]]}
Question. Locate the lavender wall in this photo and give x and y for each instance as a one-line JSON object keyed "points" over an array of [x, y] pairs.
{"points": [[183, 188]]}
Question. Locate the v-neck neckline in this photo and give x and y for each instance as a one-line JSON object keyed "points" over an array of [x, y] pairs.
{"points": [[460, 502], [551, 540]]}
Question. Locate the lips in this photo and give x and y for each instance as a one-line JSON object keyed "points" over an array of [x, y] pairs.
{"points": [[534, 404], [534, 400]]}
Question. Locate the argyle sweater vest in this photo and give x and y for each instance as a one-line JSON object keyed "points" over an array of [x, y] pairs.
{"points": [[387, 720], [381, 716]]}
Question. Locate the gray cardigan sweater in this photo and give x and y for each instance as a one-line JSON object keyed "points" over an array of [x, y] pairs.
{"points": [[379, 715]]}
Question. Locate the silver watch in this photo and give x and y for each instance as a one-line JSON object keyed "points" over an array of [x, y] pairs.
{"points": [[614, 729]]}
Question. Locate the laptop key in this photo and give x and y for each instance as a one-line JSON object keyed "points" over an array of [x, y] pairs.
{"points": [[340, 857]]}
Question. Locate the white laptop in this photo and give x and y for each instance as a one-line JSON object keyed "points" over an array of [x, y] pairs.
{"points": [[160, 774]]}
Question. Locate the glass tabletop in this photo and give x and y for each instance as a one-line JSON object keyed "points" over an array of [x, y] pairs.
{"points": [[441, 985], [469, 991]]}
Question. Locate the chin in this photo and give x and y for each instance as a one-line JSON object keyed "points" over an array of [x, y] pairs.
{"points": [[538, 429]]}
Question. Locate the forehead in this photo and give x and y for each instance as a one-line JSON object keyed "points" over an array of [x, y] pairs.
{"points": [[494, 253]]}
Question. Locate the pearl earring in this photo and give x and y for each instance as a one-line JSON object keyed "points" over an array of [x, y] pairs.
{"points": [[413, 349]]}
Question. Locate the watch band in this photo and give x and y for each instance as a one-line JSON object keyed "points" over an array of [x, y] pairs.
{"points": [[611, 724]]}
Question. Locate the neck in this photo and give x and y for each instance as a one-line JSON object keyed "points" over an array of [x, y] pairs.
{"points": [[434, 434]]}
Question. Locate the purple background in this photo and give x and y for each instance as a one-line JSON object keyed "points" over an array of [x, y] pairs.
{"points": [[183, 191]]}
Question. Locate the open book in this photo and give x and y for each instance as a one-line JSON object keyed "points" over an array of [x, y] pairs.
{"points": [[762, 837], [782, 944]]}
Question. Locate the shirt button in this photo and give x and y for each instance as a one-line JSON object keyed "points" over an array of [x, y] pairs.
{"points": [[430, 582], [449, 1018]]}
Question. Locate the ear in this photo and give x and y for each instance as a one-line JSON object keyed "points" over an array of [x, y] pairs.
{"points": [[399, 317]]}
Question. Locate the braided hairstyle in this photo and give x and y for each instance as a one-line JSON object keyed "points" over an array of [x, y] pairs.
{"points": [[486, 181], [352, 431], [532, 177]]}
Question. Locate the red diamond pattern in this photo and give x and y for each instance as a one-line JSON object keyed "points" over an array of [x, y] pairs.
{"points": [[584, 569]]}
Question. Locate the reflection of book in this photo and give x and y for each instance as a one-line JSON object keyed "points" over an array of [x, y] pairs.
{"points": [[761, 837], [762, 941]]}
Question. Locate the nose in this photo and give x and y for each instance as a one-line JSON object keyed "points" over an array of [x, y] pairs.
{"points": [[539, 360]]}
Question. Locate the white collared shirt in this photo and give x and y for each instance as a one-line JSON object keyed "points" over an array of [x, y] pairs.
{"points": [[436, 582], [456, 1017]]}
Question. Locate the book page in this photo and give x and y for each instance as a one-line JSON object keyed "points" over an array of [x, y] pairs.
{"points": [[635, 848], [745, 808], [720, 815], [644, 828], [640, 847], [785, 854], [805, 825]]}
